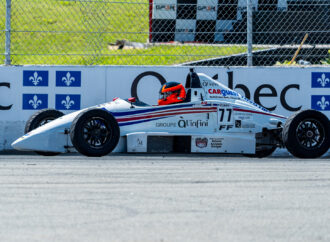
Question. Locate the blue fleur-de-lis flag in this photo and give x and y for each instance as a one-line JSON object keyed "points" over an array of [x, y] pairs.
{"points": [[321, 102], [320, 79], [68, 78], [35, 101], [67, 102], [35, 78]]}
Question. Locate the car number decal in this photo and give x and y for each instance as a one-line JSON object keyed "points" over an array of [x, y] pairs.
{"points": [[225, 115]]}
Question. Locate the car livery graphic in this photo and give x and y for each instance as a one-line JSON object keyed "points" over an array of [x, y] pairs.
{"points": [[210, 120]]}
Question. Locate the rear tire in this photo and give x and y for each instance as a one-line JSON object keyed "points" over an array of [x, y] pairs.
{"points": [[306, 134], [94, 132], [40, 118]]}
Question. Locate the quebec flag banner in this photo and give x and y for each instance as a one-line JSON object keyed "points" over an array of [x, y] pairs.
{"points": [[68, 78], [320, 79], [35, 101], [35, 78], [321, 102], [67, 102]]}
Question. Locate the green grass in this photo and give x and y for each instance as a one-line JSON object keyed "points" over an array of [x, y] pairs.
{"points": [[2, 28], [75, 32]]}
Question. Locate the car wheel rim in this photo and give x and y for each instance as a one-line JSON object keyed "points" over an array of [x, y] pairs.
{"points": [[96, 132], [310, 134]]}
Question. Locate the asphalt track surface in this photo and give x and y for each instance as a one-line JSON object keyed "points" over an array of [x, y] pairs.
{"points": [[163, 198]]}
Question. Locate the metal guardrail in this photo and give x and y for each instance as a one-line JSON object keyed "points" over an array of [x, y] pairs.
{"points": [[164, 32]]}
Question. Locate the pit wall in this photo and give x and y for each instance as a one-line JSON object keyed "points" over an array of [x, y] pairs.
{"points": [[26, 89]]}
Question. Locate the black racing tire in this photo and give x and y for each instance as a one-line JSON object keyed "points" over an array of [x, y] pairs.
{"points": [[40, 118], [94, 132], [306, 134], [262, 153]]}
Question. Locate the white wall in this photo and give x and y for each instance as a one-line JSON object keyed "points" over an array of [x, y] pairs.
{"points": [[100, 84]]}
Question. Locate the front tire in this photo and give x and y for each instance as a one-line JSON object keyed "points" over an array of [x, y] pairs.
{"points": [[40, 118], [94, 132], [306, 134]]}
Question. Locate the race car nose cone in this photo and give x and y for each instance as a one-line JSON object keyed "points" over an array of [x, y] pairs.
{"points": [[43, 141], [19, 144]]}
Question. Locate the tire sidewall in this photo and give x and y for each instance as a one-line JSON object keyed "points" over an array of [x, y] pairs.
{"points": [[290, 136], [35, 120], [77, 134]]}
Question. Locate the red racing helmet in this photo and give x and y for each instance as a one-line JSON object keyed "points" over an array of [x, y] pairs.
{"points": [[171, 92]]}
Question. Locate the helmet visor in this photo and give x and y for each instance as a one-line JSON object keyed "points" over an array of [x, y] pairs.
{"points": [[165, 95]]}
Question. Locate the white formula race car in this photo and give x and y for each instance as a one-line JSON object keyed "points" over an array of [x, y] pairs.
{"points": [[212, 119]]}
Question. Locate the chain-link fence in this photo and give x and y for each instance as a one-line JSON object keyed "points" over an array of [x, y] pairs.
{"points": [[165, 32]]}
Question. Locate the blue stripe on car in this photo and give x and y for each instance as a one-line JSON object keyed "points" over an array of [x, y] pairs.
{"points": [[137, 122], [118, 114]]}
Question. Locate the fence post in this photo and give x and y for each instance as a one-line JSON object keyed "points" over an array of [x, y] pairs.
{"points": [[7, 31], [249, 32]]}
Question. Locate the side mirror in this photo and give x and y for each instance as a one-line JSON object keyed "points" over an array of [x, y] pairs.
{"points": [[132, 99]]}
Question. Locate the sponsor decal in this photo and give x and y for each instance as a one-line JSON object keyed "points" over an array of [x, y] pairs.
{"points": [[320, 79], [214, 91], [35, 78], [205, 83], [243, 116], [224, 105], [223, 92], [67, 102], [192, 123], [139, 142], [214, 96], [166, 125], [35, 101], [321, 102], [226, 127], [68, 78], [226, 93], [216, 142], [248, 126], [7, 107], [201, 142], [238, 123], [163, 7]]}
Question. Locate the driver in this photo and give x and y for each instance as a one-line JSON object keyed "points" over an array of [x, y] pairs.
{"points": [[171, 92]]}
